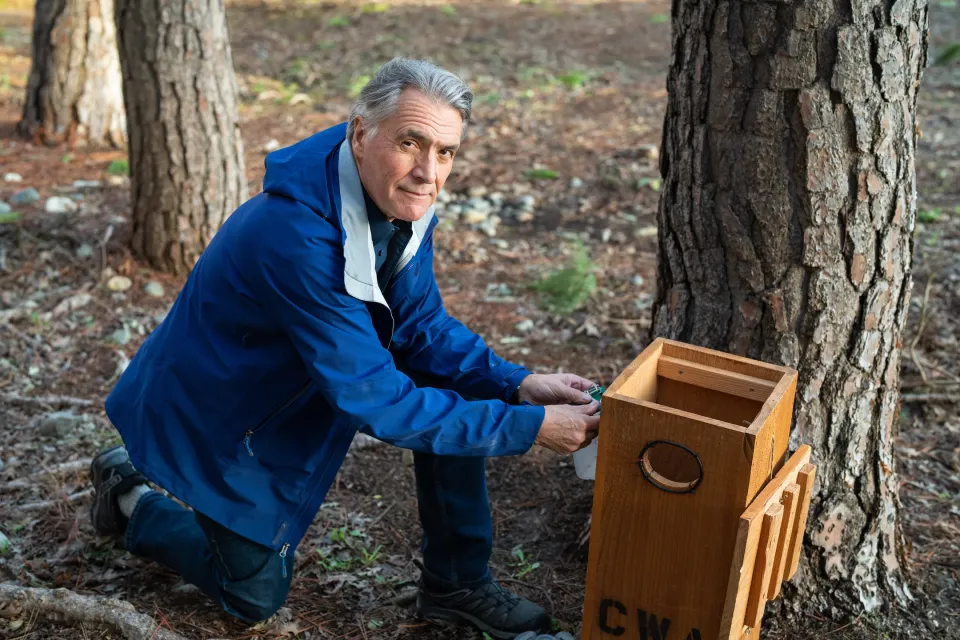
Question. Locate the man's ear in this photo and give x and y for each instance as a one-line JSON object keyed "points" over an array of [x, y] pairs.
{"points": [[359, 140]]}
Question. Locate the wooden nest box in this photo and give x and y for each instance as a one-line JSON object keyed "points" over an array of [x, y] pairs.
{"points": [[698, 516]]}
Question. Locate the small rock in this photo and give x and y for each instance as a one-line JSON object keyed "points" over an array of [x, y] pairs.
{"points": [[119, 283], [186, 587], [33, 371], [606, 234], [121, 336], [117, 181], [475, 216], [27, 196], [443, 196], [154, 288], [575, 183], [5, 545], [454, 209], [496, 198], [525, 216], [58, 423], [4, 208], [12, 177], [60, 204], [477, 192], [84, 251], [528, 202], [272, 145], [648, 151], [525, 326], [637, 281], [489, 227], [86, 184], [407, 457], [479, 204], [299, 98], [646, 232]]}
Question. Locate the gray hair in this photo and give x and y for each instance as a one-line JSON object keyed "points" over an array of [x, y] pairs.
{"points": [[378, 99]]}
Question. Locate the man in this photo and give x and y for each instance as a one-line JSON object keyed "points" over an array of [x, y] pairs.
{"points": [[313, 314]]}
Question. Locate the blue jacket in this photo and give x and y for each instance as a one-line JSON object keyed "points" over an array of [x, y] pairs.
{"points": [[281, 346]]}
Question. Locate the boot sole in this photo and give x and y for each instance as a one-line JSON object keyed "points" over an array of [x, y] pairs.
{"points": [[451, 617]]}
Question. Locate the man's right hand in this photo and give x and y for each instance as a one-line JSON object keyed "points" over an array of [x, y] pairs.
{"points": [[568, 428]]}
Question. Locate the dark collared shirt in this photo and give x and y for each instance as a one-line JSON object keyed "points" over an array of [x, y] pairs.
{"points": [[389, 240]]}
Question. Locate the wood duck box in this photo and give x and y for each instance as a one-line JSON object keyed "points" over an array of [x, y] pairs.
{"points": [[697, 513]]}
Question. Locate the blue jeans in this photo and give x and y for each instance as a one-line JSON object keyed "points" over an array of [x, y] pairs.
{"points": [[250, 581]]}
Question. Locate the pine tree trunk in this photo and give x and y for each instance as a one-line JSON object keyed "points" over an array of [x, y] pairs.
{"points": [[74, 91], [785, 234], [186, 154]]}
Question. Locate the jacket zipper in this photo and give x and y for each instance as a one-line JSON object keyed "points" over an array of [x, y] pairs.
{"points": [[283, 558], [250, 432]]}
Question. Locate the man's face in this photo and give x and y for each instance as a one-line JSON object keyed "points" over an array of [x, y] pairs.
{"points": [[405, 165]]}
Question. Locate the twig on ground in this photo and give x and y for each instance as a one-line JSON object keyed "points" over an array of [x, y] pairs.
{"points": [[931, 397], [43, 504], [73, 607], [920, 326], [33, 478], [48, 400], [930, 383], [32, 340]]}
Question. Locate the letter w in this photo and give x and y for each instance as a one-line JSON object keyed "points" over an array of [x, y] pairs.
{"points": [[650, 627]]}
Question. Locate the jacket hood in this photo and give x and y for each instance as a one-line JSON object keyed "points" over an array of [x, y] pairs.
{"points": [[301, 171]]}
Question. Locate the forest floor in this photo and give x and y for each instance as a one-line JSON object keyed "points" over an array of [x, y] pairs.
{"points": [[570, 101]]}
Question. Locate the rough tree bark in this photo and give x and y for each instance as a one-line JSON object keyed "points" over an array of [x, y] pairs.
{"points": [[785, 234], [186, 154], [74, 91]]}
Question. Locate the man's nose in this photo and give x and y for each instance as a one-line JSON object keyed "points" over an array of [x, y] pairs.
{"points": [[426, 168]]}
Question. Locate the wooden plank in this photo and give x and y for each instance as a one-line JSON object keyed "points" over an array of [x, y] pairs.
{"points": [[769, 436], [662, 553], [748, 534], [726, 361], [791, 501], [766, 550], [729, 382], [737, 411], [805, 479]]}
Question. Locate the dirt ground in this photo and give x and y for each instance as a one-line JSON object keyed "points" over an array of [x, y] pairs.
{"points": [[570, 98]]}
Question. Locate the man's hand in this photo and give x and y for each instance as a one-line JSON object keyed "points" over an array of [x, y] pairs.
{"points": [[554, 388], [567, 428]]}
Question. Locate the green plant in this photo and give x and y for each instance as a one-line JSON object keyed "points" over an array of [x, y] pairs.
{"points": [[653, 183], [376, 7], [566, 290], [357, 83], [659, 18], [522, 564], [951, 53], [119, 168], [574, 79], [11, 217], [338, 21], [370, 557], [542, 174], [929, 215], [374, 624], [448, 10]]}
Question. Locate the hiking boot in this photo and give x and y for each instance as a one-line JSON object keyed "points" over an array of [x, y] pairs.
{"points": [[112, 475], [489, 607]]}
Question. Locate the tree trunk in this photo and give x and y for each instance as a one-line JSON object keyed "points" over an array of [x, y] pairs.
{"points": [[186, 155], [785, 234], [74, 90]]}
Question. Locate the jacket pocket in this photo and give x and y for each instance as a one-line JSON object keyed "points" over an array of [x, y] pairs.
{"points": [[286, 404]]}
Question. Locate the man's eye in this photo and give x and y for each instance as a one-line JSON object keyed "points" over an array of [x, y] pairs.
{"points": [[410, 144]]}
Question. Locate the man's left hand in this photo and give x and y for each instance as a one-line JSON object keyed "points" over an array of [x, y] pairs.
{"points": [[554, 388]]}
